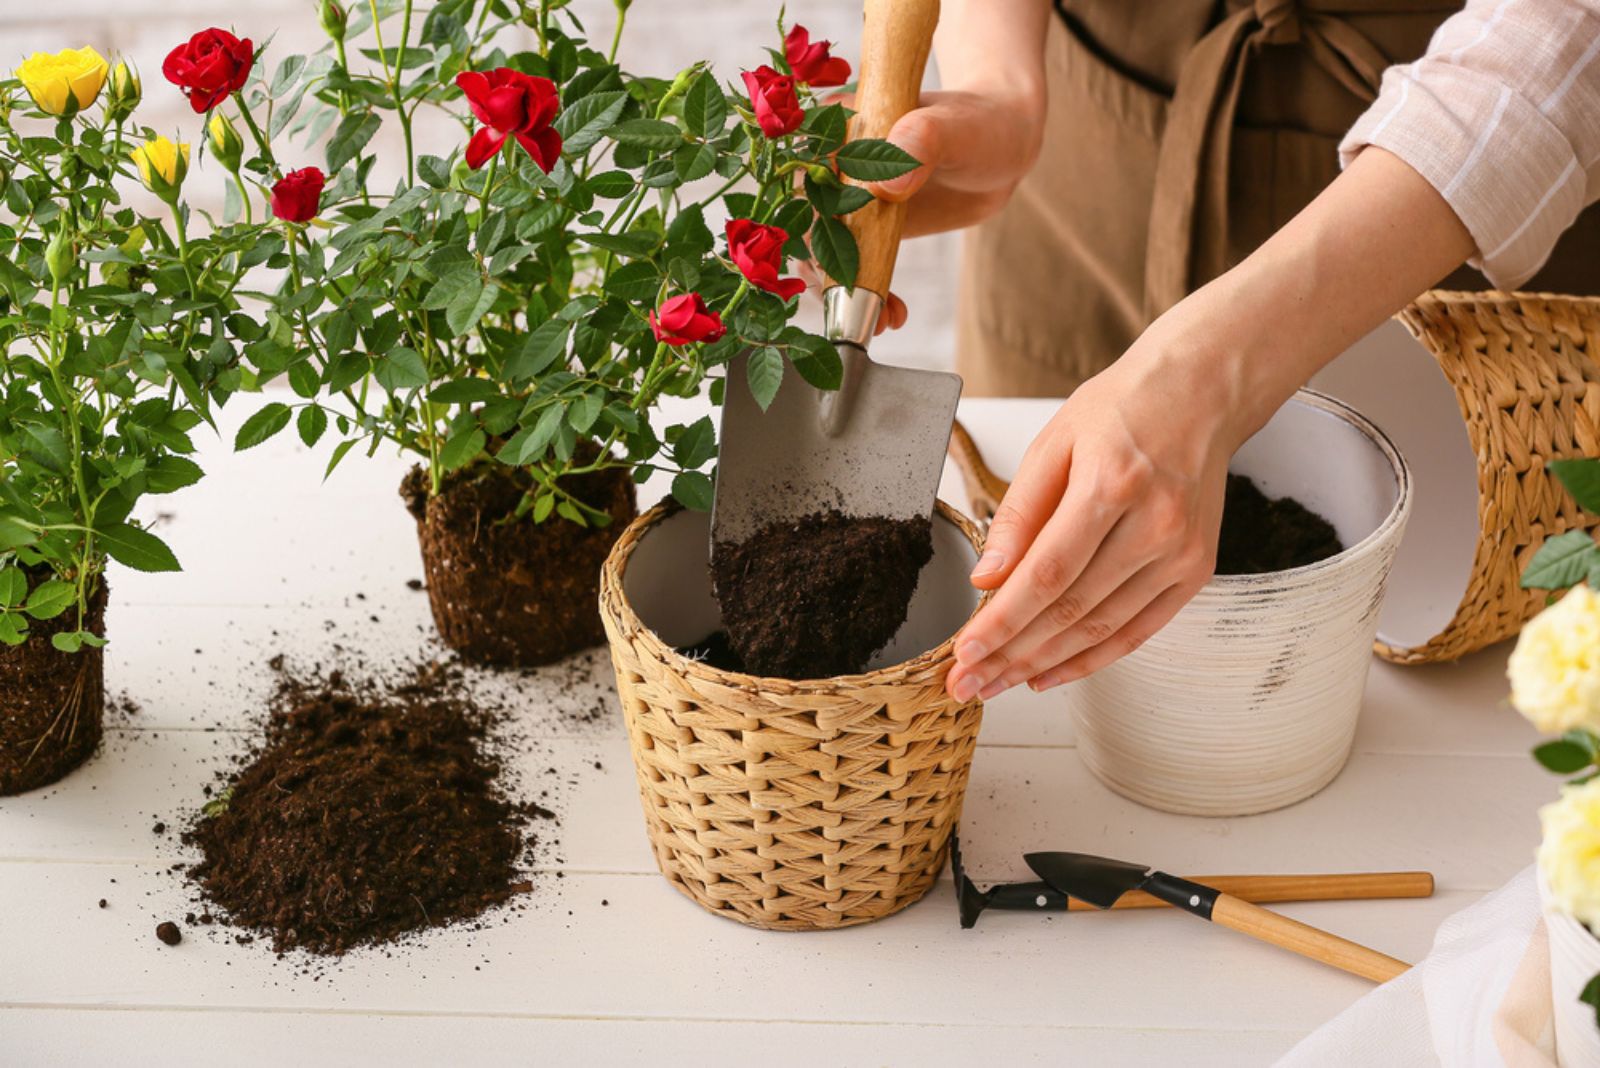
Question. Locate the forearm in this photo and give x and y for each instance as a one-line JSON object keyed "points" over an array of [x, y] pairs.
{"points": [[994, 47], [1374, 239]]}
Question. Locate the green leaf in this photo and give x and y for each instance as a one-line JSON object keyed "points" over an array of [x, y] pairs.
{"points": [[465, 311], [1591, 996], [705, 109], [638, 281], [13, 587], [47, 446], [696, 445], [462, 281], [172, 473], [694, 490], [339, 452], [311, 424], [1562, 757], [827, 124], [634, 244], [694, 162], [530, 442], [1561, 561], [14, 534], [464, 391], [13, 628], [763, 370], [836, 199], [67, 641], [834, 247], [137, 548], [583, 411], [272, 418], [1582, 479], [461, 448], [582, 124], [50, 599], [401, 369], [654, 134], [546, 344], [434, 171], [351, 137], [873, 160], [818, 362], [611, 185]]}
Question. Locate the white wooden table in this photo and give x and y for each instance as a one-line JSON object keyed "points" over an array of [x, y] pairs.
{"points": [[608, 964]]}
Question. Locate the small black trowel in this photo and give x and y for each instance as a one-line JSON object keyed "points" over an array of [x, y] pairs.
{"points": [[876, 446]]}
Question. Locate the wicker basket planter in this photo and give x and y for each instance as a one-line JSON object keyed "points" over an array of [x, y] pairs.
{"points": [[1248, 700], [1525, 368], [789, 805]]}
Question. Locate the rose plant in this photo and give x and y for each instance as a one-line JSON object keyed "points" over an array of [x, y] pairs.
{"points": [[518, 303]]}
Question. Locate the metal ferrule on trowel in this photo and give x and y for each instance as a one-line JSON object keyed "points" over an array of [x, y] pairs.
{"points": [[849, 319]]}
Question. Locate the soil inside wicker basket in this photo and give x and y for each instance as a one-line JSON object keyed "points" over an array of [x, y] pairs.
{"points": [[364, 813], [507, 591], [1261, 534], [51, 702], [817, 597]]}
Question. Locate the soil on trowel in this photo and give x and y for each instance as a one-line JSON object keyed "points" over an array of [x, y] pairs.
{"points": [[818, 597], [1261, 534], [366, 812]]}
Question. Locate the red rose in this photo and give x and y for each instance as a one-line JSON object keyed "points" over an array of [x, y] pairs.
{"points": [[758, 252], [298, 195], [773, 99], [684, 320], [811, 63], [211, 65], [512, 104]]}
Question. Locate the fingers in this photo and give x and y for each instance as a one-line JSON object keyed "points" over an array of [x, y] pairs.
{"points": [[894, 314], [1027, 506], [922, 134], [1133, 634]]}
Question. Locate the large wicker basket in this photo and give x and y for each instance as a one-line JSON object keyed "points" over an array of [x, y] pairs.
{"points": [[1526, 372], [790, 805]]}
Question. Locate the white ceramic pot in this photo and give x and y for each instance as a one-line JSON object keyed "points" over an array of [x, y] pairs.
{"points": [[1247, 701], [1574, 960]]}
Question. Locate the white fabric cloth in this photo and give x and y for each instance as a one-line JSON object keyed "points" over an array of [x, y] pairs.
{"points": [[1480, 998]]}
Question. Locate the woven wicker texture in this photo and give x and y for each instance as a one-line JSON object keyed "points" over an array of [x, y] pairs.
{"points": [[1526, 372], [790, 805]]}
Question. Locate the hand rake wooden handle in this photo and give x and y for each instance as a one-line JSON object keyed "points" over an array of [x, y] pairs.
{"points": [[1263, 889], [895, 43], [1308, 941]]}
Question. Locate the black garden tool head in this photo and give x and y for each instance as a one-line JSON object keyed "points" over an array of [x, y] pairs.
{"points": [[969, 899], [1098, 880], [1016, 897]]}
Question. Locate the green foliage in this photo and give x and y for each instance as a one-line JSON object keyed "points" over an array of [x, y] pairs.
{"points": [[501, 315], [1568, 559]]}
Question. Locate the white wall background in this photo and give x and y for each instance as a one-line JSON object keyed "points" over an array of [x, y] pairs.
{"points": [[662, 37]]}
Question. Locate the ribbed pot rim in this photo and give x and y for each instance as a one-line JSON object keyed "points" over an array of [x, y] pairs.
{"points": [[1228, 586], [615, 571]]}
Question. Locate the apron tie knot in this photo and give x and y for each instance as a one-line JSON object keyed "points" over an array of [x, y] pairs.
{"points": [[1280, 21]]}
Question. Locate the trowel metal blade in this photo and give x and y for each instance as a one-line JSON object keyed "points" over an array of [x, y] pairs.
{"points": [[885, 458], [1098, 880]]}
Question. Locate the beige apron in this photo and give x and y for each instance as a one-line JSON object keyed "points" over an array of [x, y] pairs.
{"points": [[1182, 133]]}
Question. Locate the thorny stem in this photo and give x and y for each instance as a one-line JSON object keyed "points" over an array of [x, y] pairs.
{"points": [[255, 132], [72, 401]]}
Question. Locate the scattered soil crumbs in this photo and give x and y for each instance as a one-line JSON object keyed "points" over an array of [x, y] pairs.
{"points": [[818, 597], [168, 933], [1262, 534], [367, 812]]}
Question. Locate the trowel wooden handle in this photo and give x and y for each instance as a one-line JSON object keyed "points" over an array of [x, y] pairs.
{"points": [[985, 489], [1261, 889], [1305, 940], [894, 53]]}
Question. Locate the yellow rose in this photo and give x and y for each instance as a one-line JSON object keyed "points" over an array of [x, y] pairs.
{"points": [[64, 83], [163, 166], [226, 144], [126, 91], [1555, 668], [1569, 855]]}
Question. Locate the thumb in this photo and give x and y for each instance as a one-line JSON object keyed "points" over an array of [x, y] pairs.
{"points": [[921, 134], [1028, 504]]}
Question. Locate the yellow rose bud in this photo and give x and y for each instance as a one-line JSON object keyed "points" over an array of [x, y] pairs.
{"points": [[1555, 668], [59, 255], [163, 166], [226, 144], [125, 93], [1569, 854], [64, 83]]}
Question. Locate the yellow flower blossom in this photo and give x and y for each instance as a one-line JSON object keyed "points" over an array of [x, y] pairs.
{"points": [[66, 82], [1555, 668], [162, 165], [1569, 855]]}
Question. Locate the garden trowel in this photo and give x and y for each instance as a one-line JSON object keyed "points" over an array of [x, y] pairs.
{"points": [[1101, 882], [876, 446]]}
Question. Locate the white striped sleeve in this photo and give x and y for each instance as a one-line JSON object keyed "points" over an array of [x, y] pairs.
{"points": [[1502, 117]]}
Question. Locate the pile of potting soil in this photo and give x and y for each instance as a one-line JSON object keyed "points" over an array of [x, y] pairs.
{"points": [[1262, 534], [817, 597], [366, 812]]}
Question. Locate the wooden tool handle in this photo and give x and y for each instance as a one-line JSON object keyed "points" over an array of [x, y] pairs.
{"points": [[894, 53], [1305, 940], [1261, 889], [984, 488]]}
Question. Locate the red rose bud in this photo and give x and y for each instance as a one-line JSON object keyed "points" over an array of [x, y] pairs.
{"points": [[773, 99], [811, 63], [512, 104], [685, 320], [297, 196], [757, 250], [211, 65]]}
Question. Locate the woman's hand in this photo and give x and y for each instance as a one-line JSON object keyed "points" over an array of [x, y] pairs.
{"points": [[1109, 528]]}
